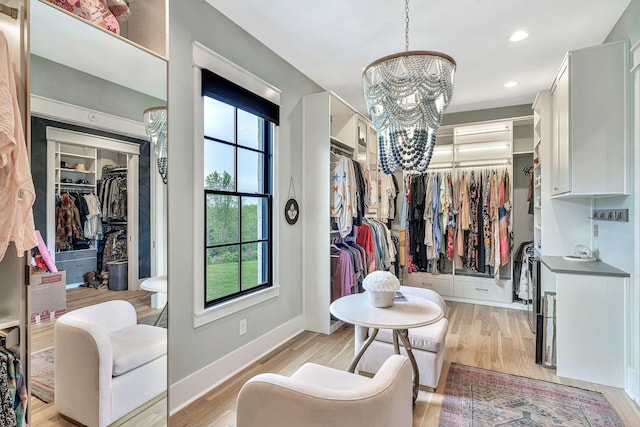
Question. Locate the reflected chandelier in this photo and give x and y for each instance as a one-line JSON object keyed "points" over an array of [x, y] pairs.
{"points": [[155, 122], [406, 95]]}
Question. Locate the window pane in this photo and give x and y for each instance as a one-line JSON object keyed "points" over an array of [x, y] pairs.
{"points": [[219, 169], [250, 129], [250, 171], [222, 272], [218, 120], [254, 218], [254, 264], [222, 219]]}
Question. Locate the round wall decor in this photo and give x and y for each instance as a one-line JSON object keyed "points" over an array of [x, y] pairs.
{"points": [[291, 211]]}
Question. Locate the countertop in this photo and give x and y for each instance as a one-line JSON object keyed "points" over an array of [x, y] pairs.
{"points": [[558, 264]]}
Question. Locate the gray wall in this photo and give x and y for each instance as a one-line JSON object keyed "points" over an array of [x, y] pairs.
{"points": [[56, 81], [615, 241], [628, 26], [192, 349]]}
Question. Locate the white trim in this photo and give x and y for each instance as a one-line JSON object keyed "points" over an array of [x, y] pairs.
{"points": [[204, 57], [512, 305], [233, 306], [191, 388], [632, 318], [94, 141], [73, 114]]}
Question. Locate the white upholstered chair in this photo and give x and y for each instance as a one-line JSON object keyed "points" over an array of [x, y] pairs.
{"points": [[105, 365], [317, 395], [428, 343]]}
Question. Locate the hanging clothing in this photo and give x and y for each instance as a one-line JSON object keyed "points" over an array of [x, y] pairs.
{"points": [[472, 237], [438, 206], [7, 415], [68, 225], [344, 193], [17, 193], [112, 193], [502, 213], [486, 220], [93, 222]]}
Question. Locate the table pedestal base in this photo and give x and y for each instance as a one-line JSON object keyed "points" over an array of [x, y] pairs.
{"points": [[158, 300], [398, 335]]}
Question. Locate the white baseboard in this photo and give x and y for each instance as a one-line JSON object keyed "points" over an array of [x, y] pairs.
{"points": [[513, 305], [191, 388], [633, 382]]}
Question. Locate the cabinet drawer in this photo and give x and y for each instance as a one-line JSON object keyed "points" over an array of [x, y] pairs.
{"points": [[78, 254], [442, 284], [77, 268], [482, 289]]}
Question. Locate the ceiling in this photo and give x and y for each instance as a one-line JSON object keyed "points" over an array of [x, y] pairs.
{"points": [[331, 41]]}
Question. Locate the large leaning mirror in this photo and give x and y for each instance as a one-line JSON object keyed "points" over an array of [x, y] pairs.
{"points": [[98, 113]]}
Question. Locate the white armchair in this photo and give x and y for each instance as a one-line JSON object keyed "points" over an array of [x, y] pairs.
{"points": [[105, 364], [428, 343], [317, 395]]}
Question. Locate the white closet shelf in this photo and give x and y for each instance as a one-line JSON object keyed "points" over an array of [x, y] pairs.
{"points": [[102, 54], [77, 156], [71, 184], [8, 322], [73, 170]]}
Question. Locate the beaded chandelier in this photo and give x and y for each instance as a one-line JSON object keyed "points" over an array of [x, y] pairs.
{"points": [[155, 123], [406, 95]]}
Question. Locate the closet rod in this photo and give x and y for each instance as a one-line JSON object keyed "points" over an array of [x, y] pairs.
{"points": [[335, 143], [9, 11]]}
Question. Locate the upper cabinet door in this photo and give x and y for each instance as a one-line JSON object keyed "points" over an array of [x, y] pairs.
{"points": [[591, 116]]}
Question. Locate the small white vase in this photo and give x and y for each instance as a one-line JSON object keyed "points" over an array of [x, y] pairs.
{"points": [[380, 299]]}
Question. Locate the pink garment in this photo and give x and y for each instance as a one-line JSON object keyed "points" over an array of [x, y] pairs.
{"points": [[16, 186], [504, 232]]}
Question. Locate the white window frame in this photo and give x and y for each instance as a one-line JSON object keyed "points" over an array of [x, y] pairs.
{"points": [[204, 58]]}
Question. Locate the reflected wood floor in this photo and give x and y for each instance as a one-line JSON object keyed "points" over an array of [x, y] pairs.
{"points": [[487, 337], [45, 414]]}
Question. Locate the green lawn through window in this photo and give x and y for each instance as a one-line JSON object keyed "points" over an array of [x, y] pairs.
{"points": [[222, 279]]}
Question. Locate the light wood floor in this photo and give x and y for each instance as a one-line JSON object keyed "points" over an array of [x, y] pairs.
{"points": [[488, 337], [45, 414]]}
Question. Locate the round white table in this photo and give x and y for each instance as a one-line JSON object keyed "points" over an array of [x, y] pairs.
{"points": [[157, 285], [400, 317]]}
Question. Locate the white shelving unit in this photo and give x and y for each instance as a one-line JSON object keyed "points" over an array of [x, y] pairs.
{"points": [[102, 53], [327, 119], [81, 165], [541, 133], [494, 143]]}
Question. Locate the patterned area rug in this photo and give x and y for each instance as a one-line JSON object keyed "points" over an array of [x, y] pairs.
{"points": [[478, 397], [42, 375]]}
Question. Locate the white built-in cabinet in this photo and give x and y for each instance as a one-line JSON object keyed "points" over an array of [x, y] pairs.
{"points": [[541, 136], [474, 145], [327, 121], [135, 59], [93, 153], [590, 333], [589, 153]]}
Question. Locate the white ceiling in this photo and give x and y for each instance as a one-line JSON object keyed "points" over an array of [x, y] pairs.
{"points": [[331, 41]]}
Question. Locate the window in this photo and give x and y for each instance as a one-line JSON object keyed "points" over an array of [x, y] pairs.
{"points": [[238, 141]]}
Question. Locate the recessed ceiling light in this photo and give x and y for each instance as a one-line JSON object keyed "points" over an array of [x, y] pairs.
{"points": [[518, 35], [510, 84]]}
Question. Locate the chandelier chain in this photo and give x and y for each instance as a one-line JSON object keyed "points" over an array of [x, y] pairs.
{"points": [[406, 27]]}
